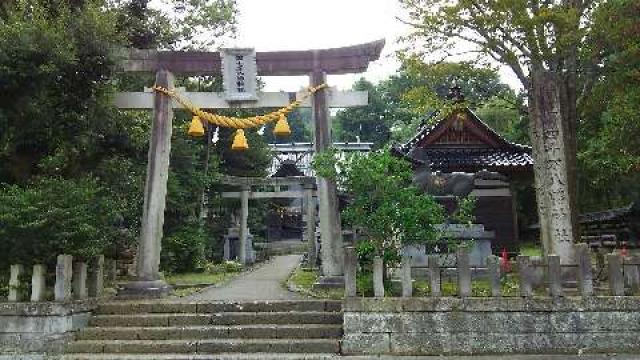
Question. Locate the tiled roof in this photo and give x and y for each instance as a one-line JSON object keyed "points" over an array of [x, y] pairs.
{"points": [[461, 159], [505, 156]]}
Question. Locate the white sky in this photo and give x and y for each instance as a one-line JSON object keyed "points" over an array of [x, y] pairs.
{"points": [[271, 25]]}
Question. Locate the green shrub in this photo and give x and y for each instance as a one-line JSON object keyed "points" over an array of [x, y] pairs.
{"points": [[184, 250], [54, 216]]}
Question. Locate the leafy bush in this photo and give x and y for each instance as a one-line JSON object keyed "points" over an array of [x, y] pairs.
{"points": [[53, 216], [184, 250], [383, 201]]}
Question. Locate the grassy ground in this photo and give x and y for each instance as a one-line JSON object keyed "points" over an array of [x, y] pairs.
{"points": [[302, 280], [530, 249], [190, 283]]}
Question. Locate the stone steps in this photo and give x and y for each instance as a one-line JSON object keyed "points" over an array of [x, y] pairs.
{"points": [[224, 356], [155, 307], [306, 331], [312, 329], [231, 318], [210, 346]]}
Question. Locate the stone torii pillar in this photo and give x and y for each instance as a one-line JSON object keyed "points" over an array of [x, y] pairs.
{"points": [[244, 226], [332, 254], [148, 282]]}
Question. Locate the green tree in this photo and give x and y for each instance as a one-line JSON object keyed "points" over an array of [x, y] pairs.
{"points": [[609, 131], [383, 201], [540, 42]]}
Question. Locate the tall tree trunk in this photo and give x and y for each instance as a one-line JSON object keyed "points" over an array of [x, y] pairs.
{"points": [[551, 139]]}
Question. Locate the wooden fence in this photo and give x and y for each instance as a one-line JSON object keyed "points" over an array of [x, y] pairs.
{"points": [[620, 274], [73, 281]]}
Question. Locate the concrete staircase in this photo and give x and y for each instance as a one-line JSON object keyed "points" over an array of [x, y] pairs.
{"points": [[307, 329]]}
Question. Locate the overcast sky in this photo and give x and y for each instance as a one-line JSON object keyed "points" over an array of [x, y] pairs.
{"points": [[270, 25]]}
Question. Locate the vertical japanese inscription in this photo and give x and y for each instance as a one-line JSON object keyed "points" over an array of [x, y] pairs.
{"points": [[239, 74]]}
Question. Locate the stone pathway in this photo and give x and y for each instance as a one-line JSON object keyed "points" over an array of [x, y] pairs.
{"points": [[263, 283]]}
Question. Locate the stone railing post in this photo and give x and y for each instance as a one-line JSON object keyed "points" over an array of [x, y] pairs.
{"points": [[554, 274], [79, 281], [378, 278], [405, 273], [16, 294], [524, 269], [64, 273], [350, 271], [493, 267], [632, 273], [38, 283], [585, 277], [434, 275], [95, 281], [464, 273], [616, 279], [112, 271]]}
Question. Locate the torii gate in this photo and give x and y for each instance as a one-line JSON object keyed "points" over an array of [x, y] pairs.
{"points": [[317, 64]]}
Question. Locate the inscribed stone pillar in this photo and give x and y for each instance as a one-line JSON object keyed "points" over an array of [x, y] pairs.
{"points": [[15, 291], [148, 283], [310, 220], [378, 277], [64, 273], [244, 227], [350, 272], [551, 168], [79, 281], [96, 276], [330, 227], [38, 283]]}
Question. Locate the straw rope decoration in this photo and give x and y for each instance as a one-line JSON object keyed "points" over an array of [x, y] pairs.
{"points": [[239, 142]]}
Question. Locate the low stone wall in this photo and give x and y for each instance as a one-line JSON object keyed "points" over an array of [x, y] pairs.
{"points": [[447, 325], [41, 327]]}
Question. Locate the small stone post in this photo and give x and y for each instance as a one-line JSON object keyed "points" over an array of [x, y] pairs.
{"points": [[244, 227], [112, 271], [64, 268], [616, 279], [38, 283], [632, 273], [96, 276], [378, 281], [524, 268], [79, 281], [15, 291], [310, 229], [350, 271], [434, 275], [493, 266], [464, 273], [405, 273], [585, 277], [554, 273]]}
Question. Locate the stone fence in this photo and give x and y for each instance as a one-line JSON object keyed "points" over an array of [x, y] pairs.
{"points": [[42, 326], [491, 325], [620, 275], [554, 308]]}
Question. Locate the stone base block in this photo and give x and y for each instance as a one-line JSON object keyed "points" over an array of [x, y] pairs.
{"points": [[329, 282], [144, 290]]}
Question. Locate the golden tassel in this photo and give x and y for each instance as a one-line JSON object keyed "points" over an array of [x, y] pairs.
{"points": [[239, 141], [196, 129], [282, 127]]}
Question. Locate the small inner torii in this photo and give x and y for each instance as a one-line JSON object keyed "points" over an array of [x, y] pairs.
{"points": [[239, 93]]}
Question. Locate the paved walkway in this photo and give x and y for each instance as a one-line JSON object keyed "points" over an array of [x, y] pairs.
{"points": [[263, 283]]}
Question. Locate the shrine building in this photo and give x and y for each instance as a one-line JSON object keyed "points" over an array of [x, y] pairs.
{"points": [[462, 142]]}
